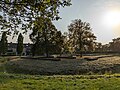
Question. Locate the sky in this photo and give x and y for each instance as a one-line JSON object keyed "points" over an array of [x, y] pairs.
{"points": [[95, 12]]}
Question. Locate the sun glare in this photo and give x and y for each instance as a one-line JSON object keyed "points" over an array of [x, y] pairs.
{"points": [[112, 18]]}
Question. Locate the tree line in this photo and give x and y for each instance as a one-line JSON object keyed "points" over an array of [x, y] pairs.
{"points": [[111, 47], [37, 15], [31, 15], [48, 40]]}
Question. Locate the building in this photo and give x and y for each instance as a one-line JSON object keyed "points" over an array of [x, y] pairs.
{"points": [[12, 49]]}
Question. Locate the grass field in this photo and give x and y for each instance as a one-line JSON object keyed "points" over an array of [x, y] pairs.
{"points": [[60, 75], [61, 82]]}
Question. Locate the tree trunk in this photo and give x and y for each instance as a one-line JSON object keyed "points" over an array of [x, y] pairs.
{"points": [[46, 45], [80, 45], [81, 54]]}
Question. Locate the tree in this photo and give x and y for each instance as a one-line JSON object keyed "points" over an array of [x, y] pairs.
{"points": [[80, 34], [20, 44], [23, 14], [3, 43], [99, 47], [65, 42], [45, 36], [106, 48], [115, 45], [58, 41]]}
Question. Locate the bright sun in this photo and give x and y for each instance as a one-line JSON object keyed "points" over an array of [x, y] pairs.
{"points": [[112, 19]]}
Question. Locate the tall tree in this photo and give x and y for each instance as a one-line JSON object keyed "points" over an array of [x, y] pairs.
{"points": [[20, 44], [3, 43], [80, 34], [43, 35], [57, 42], [23, 14]]}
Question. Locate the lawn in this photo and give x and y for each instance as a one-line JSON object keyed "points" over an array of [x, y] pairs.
{"points": [[59, 82], [66, 74]]}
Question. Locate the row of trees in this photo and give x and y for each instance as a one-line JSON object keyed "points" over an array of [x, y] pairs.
{"points": [[4, 44], [33, 15], [113, 46], [48, 39], [37, 15]]}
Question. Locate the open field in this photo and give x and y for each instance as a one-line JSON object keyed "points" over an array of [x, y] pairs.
{"points": [[98, 74], [59, 82], [108, 65]]}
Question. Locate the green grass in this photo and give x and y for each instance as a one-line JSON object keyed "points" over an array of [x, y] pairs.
{"points": [[61, 82], [106, 81]]}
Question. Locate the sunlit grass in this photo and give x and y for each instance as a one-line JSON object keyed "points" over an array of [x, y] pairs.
{"points": [[61, 82]]}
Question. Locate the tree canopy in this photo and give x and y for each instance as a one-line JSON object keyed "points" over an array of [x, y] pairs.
{"points": [[80, 35], [45, 36], [16, 14]]}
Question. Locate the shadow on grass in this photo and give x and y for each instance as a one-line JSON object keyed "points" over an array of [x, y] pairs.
{"points": [[41, 67]]}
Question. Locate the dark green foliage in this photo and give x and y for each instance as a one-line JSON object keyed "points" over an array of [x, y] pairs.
{"points": [[17, 13], [20, 44], [32, 15], [33, 49], [45, 37], [58, 42], [3, 44]]}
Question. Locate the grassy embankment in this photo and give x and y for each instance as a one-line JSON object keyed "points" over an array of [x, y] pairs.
{"points": [[60, 82], [110, 65]]}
